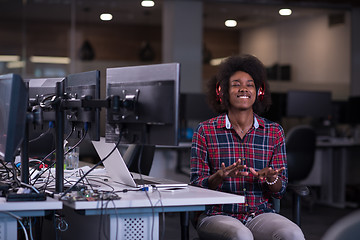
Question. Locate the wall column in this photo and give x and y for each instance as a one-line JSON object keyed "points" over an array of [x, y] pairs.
{"points": [[355, 53], [182, 41]]}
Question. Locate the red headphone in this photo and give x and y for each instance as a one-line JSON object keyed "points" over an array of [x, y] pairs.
{"points": [[218, 92], [261, 92]]}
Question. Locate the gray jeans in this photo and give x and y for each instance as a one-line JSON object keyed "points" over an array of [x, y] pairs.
{"points": [[264, 226]]}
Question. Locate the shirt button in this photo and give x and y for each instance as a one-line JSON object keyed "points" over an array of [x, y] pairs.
{"points": [[246, 205], [243, 159], [244, 189]]}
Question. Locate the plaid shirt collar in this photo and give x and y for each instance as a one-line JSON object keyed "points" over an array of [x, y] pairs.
{"points": [[257, 122]]}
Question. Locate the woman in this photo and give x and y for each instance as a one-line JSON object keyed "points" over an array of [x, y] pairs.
{"points": [[242, 153]]}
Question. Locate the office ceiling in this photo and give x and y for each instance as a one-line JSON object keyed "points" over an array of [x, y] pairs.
{"points": [[246, 12]]}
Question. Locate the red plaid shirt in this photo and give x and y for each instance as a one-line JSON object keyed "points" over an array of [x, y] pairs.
{"points": [[215, 141]]}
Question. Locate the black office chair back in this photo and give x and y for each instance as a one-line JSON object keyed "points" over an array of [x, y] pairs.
{"points": [[139, 158], [300, 151]]}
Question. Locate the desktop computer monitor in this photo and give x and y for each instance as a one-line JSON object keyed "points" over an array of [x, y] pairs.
{"points": [[313, 104], [352, 115], [13, 112], [145, 104], [85, 85]]}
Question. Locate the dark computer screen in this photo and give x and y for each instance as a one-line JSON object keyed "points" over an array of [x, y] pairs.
{"points": [[352, 115], [85, 85], [277, 109], [145, 104], [13, 110], [194, 109], [314, 104]]}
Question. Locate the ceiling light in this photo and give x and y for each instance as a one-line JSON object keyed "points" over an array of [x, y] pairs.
{"points": [[106, 16], [216, 61], [285, 12], [9, 58], [47, 59], [16, 64], [230, 23], [147, 3]]}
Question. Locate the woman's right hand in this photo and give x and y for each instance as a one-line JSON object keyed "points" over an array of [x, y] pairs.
{"points": [[234, 170]]}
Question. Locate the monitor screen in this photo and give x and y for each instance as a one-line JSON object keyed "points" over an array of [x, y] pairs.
{"points": [[314, 104], [41, 134], [277, 109], [352, 116], [85, 85], [145, 104], [13, 110]]}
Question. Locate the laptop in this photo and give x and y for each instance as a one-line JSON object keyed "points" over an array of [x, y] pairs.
{"points": [[118, 171]]}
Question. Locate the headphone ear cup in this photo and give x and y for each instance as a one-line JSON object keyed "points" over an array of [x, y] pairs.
{"points": [[218, 93], [261, 93]]}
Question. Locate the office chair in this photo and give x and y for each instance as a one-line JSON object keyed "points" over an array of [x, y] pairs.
{"points": [[300, 150], [141, 154], [347, 228]]}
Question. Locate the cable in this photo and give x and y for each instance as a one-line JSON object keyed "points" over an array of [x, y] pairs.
{"points": [[117, 219], [30, 229], [95, 166], [42, 161], [146, 193], [82, 138], [163, 214], [23, 227], [51, 124], [30, 186]]}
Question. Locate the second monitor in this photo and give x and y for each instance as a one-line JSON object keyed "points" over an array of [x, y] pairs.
{"points": [[145, 104]]}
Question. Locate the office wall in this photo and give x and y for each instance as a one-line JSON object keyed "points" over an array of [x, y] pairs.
{"points": [[319, 54]]}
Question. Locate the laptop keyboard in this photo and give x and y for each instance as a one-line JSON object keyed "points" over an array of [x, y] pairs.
{"points": [[139, 181]]}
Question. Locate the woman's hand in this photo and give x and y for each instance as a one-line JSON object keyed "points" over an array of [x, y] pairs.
{"points": [[271, 176], [234, 170], [268, 173]]}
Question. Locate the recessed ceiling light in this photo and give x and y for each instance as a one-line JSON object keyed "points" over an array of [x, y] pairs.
{"points": [[9, 58], [49, 59], [230, 23], [17, 64], [106, 16], [285, 12], [147, 3]]}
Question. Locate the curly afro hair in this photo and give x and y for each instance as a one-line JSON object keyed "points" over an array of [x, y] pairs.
{"points": [[246, 63]]}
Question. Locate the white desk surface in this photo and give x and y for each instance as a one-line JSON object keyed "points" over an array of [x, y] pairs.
{"points": [[337, 142], [49, 204], [190, 196]]}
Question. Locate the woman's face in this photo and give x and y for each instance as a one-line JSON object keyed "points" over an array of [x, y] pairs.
{"points": [[242, 91]]}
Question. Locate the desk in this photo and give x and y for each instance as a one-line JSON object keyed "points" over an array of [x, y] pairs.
{"points": [[133, 214], [8, 224], [333, 173]]}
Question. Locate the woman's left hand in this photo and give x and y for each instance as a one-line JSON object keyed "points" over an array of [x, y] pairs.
{"points": [[267, 172]]}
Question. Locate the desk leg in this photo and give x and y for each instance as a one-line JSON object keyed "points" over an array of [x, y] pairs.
{"points": [[334, 177], [326, 176], [339, 177], [134, 226], [184, 221]]}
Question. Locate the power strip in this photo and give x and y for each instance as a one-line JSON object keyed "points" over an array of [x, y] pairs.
{"points": [[23, 197]]}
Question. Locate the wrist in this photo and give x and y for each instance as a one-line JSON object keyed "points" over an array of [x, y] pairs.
{"points": [[273, 181]]}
